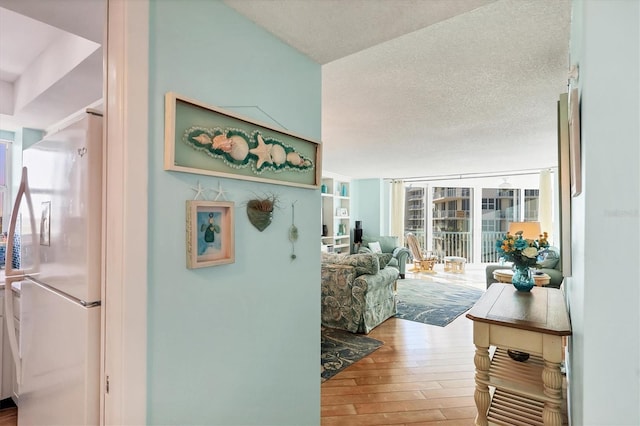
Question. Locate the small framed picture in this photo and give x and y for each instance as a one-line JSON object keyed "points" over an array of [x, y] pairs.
{"points": [[210, 233], [342, 212]]}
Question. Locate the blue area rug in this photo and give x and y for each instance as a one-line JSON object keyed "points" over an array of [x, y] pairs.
{"points": [[341, 348], [432, 302]]}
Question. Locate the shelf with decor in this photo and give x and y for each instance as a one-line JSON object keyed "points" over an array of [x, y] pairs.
{"points": [[336, 230]]}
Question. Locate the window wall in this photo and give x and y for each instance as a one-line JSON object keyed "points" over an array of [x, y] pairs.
{"points": [[414, 210], [451, 222], [467, 220]]}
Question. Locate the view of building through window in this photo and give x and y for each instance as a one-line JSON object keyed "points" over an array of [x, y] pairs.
{"points": [[452, 221], [442, 218]]}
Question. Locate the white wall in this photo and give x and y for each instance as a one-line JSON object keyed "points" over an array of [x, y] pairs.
{"points": [[603, 293]]}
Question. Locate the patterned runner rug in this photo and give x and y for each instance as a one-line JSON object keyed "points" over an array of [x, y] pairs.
{"points": [[341, 348], [432, 302]]}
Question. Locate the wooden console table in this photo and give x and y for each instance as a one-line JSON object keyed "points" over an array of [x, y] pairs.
{"points": [[527, 392]]}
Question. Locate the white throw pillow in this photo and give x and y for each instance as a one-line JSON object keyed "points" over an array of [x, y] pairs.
{"points": [[375, 247]]}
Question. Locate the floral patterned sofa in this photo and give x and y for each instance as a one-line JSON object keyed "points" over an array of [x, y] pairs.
{"points": [[357, 293]]}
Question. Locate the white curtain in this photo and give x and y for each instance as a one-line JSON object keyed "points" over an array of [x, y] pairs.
{"points": [[397, 210], [545, 211]]}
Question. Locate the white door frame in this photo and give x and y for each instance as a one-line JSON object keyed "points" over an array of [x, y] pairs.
{"points": [[126, 91]]}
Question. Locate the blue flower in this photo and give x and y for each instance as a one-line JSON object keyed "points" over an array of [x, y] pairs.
{"points": [[521, 244]]}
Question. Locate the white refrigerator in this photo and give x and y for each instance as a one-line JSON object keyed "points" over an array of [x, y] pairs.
{"points": [[58, 213]]}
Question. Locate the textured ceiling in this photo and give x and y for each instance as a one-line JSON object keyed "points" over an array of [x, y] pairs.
{"points": [[409, 87], [429, 88]]}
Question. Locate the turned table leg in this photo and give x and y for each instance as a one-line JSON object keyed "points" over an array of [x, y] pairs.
{"points": [[552, 380], [481, 395]]}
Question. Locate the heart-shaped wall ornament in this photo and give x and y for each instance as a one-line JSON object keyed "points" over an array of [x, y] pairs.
{"points": [[260, 213]]}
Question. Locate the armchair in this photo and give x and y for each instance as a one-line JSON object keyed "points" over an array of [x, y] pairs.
{"points": [[388, 244], [357, 291]]}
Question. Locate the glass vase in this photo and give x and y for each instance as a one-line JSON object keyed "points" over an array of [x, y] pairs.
{"points": [[522, 279]]}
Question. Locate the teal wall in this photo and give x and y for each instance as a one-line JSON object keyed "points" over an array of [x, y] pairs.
{"points": [[370, 203], [235, 344], [7, 135], [603, 292]]}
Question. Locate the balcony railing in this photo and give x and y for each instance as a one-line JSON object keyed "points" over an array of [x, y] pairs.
{"points": [[446, 214], [453, 244], [489, 254], [460, 244]]}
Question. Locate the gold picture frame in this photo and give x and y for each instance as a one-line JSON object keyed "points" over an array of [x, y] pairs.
{"points": [[564, 184], [207, 140], [210, 233], [574, 142]]}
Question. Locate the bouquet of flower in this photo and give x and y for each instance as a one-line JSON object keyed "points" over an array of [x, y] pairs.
{"points": [[520, 251]]}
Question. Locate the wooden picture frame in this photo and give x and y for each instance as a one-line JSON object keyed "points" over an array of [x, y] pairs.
{"points": [[574, 139], [210, 233], [207, 140], [564, 185]]}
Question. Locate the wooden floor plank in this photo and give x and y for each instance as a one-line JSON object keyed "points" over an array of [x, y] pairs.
{"points": [[422, 375], [9, 417]]}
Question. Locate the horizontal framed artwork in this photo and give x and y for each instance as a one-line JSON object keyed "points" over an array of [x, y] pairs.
{"points": [[207, 140], [210, 233]]}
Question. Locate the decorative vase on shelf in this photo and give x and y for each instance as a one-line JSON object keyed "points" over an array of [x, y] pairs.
{"points": [[522, 279]]}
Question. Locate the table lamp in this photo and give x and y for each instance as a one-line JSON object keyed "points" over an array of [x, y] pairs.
{"points": [[530, 230]]}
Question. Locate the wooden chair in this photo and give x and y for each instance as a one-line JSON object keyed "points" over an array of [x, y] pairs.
{"points": [[422, 261]]}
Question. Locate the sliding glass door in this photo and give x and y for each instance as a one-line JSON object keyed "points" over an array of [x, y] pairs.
{"points": [[442, 217]]}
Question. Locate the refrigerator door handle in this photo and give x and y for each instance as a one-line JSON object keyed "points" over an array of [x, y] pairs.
{"points": [[11, 328], [13, 275], [23, 192]]}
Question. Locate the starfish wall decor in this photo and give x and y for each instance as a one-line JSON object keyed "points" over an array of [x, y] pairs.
{"points": [[220, 193], [199, 191]]}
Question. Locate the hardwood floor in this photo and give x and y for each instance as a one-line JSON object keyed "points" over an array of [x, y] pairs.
{"points": [[9, 417], [422, 375]]}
